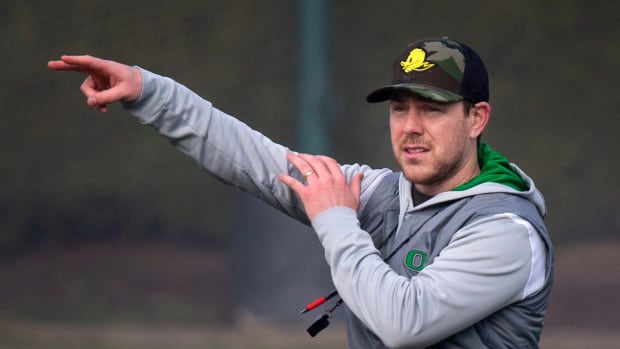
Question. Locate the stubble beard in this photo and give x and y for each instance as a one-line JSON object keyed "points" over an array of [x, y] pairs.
{"points": [[431, 173], [428, 175]]}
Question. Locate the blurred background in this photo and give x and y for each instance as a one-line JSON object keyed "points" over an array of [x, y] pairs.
{"points": [[110, 237]]}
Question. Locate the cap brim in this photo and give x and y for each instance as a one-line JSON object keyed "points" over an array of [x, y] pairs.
{"points": [[424, 91]]}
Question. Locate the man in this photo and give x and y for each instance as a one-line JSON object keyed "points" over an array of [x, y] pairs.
{"points": [[451, 252]]}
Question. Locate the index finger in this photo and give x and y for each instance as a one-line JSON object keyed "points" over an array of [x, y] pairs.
{"points": [[77, 63], [60, 65]]}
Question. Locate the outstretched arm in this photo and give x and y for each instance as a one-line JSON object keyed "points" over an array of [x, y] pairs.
{"points": [[224, 146], [107, 81]]}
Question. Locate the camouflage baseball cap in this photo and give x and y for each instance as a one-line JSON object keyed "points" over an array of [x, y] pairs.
{"points": [[439, 69]]}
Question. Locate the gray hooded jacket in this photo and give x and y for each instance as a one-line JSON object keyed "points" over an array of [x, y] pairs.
{"points": [[466, 269]]}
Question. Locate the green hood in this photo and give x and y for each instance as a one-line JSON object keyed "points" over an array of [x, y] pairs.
{"points": [[494, 167]]}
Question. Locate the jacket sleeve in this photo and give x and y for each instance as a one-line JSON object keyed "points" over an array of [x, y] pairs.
{"points": [[485, 267], [224, 146]]}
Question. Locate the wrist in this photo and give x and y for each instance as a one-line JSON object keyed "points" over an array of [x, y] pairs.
{"points": [[335, 219]]}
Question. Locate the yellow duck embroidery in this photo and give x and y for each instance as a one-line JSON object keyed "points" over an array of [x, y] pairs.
{"points": [[415, 61]]}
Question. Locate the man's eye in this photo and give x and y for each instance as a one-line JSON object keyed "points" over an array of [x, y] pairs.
{"points": [[398, 108], [431, 109]]}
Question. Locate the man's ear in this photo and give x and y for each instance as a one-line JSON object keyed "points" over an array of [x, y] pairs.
{"points": [[481, 113]]}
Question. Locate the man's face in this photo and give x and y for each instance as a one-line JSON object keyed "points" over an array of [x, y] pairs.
{"points": [[434, 143]]}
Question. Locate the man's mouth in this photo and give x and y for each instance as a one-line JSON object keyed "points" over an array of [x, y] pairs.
{"points": [[414, 149]]}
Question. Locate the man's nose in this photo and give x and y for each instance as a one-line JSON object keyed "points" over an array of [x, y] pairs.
{"points": [[413, 122]]}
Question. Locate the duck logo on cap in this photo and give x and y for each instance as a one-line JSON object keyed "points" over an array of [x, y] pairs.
{"points": [[416, 61]]}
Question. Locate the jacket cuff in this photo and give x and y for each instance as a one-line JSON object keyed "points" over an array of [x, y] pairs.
{"points": [[152, 97]]}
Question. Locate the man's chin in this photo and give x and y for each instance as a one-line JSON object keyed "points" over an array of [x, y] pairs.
{"points": [[417, 177], [422, 175]]}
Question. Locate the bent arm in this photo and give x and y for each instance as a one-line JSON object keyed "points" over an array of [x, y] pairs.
{"points": [[485, 267]]}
